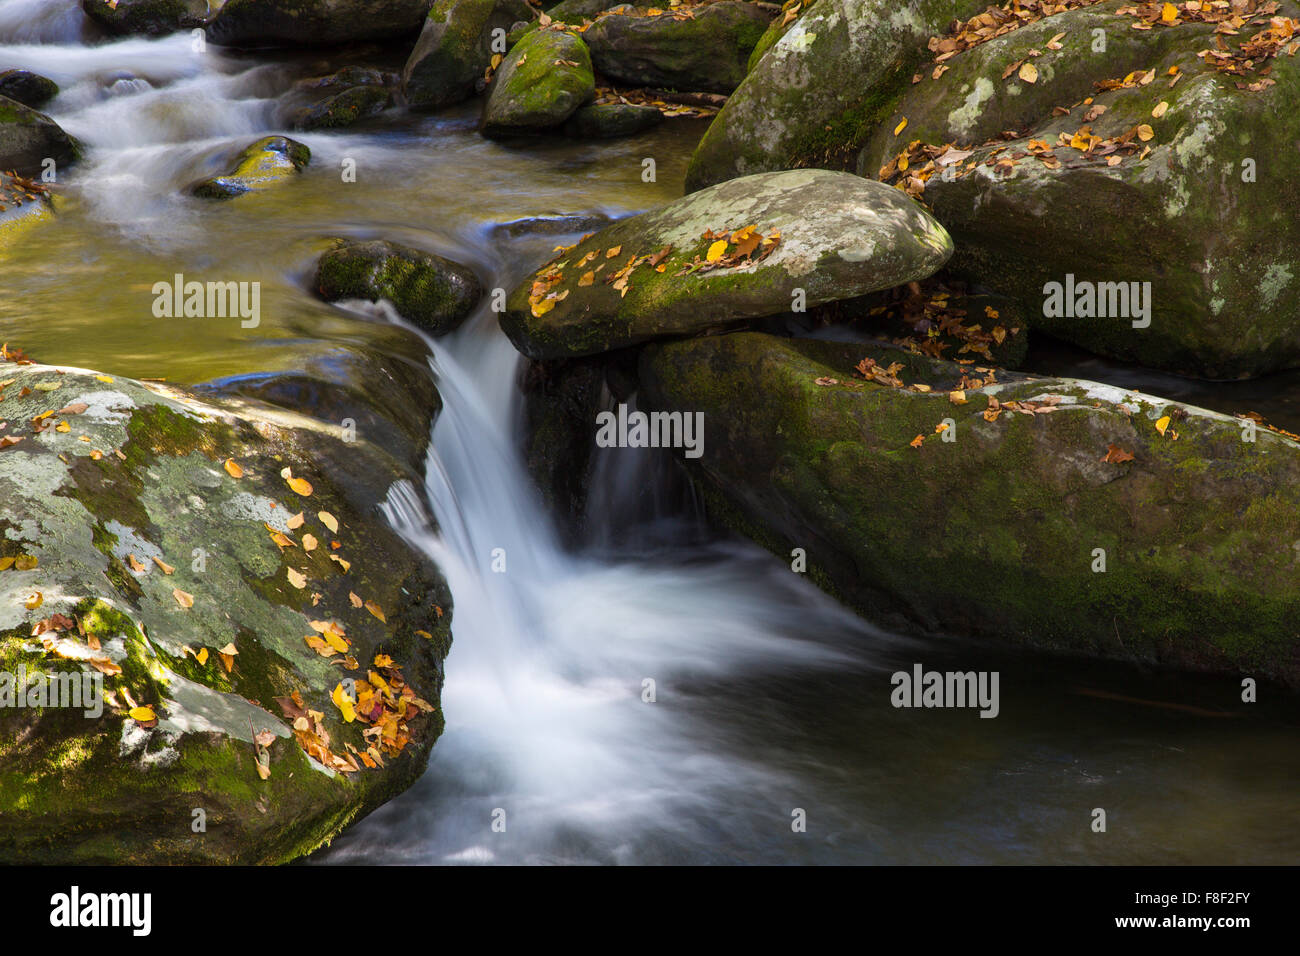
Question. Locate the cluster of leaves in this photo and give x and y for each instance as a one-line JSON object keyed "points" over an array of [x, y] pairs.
{"points": [[16, 190], [610, 95], [727, 250], [994, 22], [936, 320]]}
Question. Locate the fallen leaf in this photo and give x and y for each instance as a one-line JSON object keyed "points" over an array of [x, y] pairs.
{"points": [[328, 520], [376, 610], [1029, 72], [233, 469], [182, 598], [1116, 455]]}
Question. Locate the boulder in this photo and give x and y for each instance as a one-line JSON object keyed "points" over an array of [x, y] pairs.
{"points": [[778, 28], [172, 559], [540, 84], [435, 293], [454, 50], [27, 88], [146, 17], [821, 89], [817, 236], [279, 23], [1032, 524], [707, 51], [609, 120], [1152, 205], [29, 137], [344, 109], [266, 163]]}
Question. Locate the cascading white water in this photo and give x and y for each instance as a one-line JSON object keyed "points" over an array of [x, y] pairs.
{"points": [[546, 719]]}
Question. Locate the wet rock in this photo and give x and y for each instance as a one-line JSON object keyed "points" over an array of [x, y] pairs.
{"points": [[146, 17], [558, 225], [609, 120], [455, 49], [540, 84], [82, 524], [278, 23], [708, 52], [998, 533], [821, 89], [29, 137], [344, 109], [1212, 290], [778, 28], [433, 292], [840, 236], [266, 163], [27, 88]]}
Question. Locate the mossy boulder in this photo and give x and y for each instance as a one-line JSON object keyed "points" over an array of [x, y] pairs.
{"points": [[81, 524], [29, 137], [344, 109], [1016, 529], [455, 49], [821, 89], [146, 17], [28, 88], [543, 80], [707, 51], [1196, 205], [267, 163], [840, 236], [610, 120], [294, 23], [780, 25], [431, 291]]}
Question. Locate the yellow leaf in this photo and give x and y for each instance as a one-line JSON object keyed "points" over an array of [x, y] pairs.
{"points": [[901, 126], [343, 703], [1145, 132], [143, 714], [542, 306], [202, 655], [717, 251], [106, 379], [296, 578], [1161, 108], [1162, 424], [1029, 72], [34, 600], [1169, 13], [587, 279], [328, 520], [233, 469], [957, 396], [25, 562], [376, 610], [5, 562], [339, 644]]}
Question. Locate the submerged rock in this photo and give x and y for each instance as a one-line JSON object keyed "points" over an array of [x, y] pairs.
{"points": [[431, 291], [27, 88], [29, 137], [831, 236], [822, 88], [608, 120], [275, 23], [455, 49], [540, 84], [146, 17], [1029, 526], [140, 558], [267, 162], [1150, 208], [706, 52]]}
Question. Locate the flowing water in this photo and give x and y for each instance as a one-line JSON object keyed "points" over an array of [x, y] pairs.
{"points": [[768, 699]]}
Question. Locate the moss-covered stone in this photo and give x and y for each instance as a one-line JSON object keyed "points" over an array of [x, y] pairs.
{"points": [[344, 109], [821, 89], [840, 236], [778, 28], [29, 137], [1002, 532], [431, 291], [540, 84], [278, 23], [455, 49], [146, 17], [78, 787], [268, 162], [27, 88], [708, 51], [1201, 214], [609, 120]]}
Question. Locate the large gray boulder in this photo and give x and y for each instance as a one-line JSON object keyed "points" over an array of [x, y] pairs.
{"points": [[278, 23], [29, 137], [455, 50], [221, 569], [544, 79], [817, 236]]}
